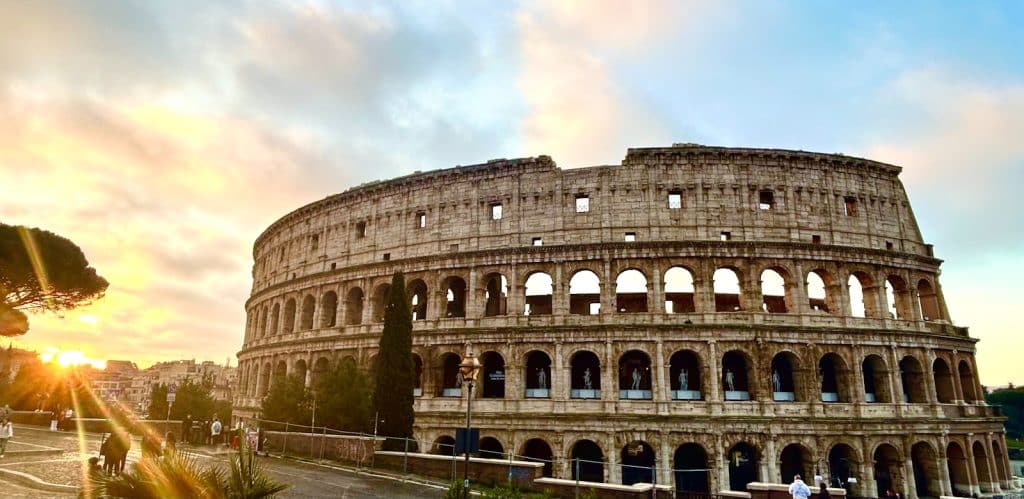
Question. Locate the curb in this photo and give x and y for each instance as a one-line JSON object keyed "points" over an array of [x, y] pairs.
{"points": [[34, 482], [371, 472]]}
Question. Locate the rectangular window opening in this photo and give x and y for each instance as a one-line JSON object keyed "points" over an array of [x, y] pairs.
{"points": [[582, 203], [314, 242], [888, 245], [766, 200], [387, 256], [421, 219], [726, 235], [815, 239], [334, 265], [538, 241], [630, 237], [495, 211], [675, 200], [850, 206], [360, 229]]}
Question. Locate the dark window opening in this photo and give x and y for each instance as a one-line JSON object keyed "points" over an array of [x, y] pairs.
{"points": [[888, 245], [815, 239], [314, 242], [387, 256], [766, 200], [360, 229], [850, 206], [725, 236], [334, 265], [421, 220]]}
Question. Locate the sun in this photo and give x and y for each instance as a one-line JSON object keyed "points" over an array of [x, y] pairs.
{"points": [[69, 358]]}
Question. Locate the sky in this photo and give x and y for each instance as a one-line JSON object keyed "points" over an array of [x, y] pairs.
{"points": [[163, 137]]}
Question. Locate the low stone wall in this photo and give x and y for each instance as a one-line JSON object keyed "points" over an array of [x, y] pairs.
{"points": [[346, 448], [567, 488], [761, 490], [138, 427], [32, 418], [485, 471]]}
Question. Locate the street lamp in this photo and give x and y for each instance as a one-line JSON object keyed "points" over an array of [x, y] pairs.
{"points": [[469, 369]]}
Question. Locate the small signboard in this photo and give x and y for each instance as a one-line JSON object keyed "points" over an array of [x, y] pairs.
{"points": [[170, 397], [473, 440], [496, 376]]}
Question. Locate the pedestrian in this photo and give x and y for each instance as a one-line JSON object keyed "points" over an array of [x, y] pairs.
{"points": [[106, 452], [186, 427], [6, 432], [823, 492], [215, 429], [124, 443], [798, 489]]}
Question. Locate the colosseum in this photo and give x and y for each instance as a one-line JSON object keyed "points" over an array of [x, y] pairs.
{"points": [[747, 313]]}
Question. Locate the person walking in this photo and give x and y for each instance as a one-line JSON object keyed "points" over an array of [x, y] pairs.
{"points": [[215, 429], [6, 432], [798, 489], [107, 453]]}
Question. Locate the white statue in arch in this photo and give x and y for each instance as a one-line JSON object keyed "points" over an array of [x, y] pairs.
{"points": [[587, 382], [730, 380], [684, 381], [636, 379], [776, 380], [542, 379]]}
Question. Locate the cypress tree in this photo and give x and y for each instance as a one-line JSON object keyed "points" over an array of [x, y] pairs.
{"points": [[395, 376]]}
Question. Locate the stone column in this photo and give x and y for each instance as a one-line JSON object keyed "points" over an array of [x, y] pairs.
{"points": [[559, 375], [944, 480], [559, 292], [664, 462], [615, 474], [609, 374], [857, 371], [474, 296], [993, 471], [656, 292], [713, 377], [750, 292], [929, 376], [770, 462], [607, 290], [660, 390], [972, 470], [841, 293], [797, 288], [516, 297], [908, 470]]}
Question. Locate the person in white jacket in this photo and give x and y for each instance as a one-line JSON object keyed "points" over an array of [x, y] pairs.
{"points": [[6, 432], [798, 489]]}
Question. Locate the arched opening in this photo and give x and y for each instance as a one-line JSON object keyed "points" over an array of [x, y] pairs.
{"points": [[538, 294], [380, 301], [300, 369], [264, 380], [929, 300], [858, 304], [967, 384], [783, 377], [538, 375], [727, 290], [637, 463], [742, 466], [275, 316], [925, 464], [679, 291], [959, 476], [450, 380], [495, 295], [773, 292], [455, 295], [329, 309], [684, 375], [289, 316], [635, 375], [354, 307], [887, 470], [281, 370], [842, 464], [795, 460], [418, 299], [586, 375], [912, 378], [999, 457], [691, 469], [444, 445], [834, 377], [308, 307], [588, 458], [585, 293], [981, 468], [818, 297], [876, 380], [417, 365], [897, 298], [492, 375], [263, 322], [735, 376], [491, 448], [320, 369], [538, 451], [631, 292], [944, 392]]}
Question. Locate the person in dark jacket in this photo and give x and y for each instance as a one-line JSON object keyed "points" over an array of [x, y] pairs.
{"points": [[823, 492]]}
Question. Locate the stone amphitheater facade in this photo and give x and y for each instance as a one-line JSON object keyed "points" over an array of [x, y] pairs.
{"points": [[849, 368]]}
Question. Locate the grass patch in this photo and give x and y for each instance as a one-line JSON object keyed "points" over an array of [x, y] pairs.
{"points": [[1013, 443]]}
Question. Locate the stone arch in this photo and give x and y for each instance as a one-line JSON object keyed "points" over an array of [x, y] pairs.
{"points": [[455, 296], [584, 293], [449, 382], [417, 291], [537, 374], [684, 371], [637, 463], [320, 369], [834, 377], [538, 451], [417, 365], [631, 292], [897, 298], [329, 309], [888, 469], [588, 458], [861, 293], [679, 291], [264, 384], [820, 298], [263, 321], [1000, 458], [876, 380], [690, 465], [491, 448], [289, 316], [308, 309], [380, 301], [929, 300], [299, 369], [795, 459], [774, 290], [635, 375], [354, 306], [981, 468], [912, 380], [738, 363], [785, 366], [843, 463], [538, 290], [275, 319], [495, 295], [585, 371], [959, 474], [967, 383], [743, 465], [492, 375], [443, 445], [943, 378], [728, 290], [925, 464], [281, 370]]}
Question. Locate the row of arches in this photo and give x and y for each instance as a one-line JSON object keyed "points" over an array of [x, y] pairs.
{"points": [[775, 290], [694, 470]]}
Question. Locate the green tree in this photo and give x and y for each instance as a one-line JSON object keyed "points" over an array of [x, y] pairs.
{"points": [[288, 401], [41, 271], [395, 376], [1012, 402], [193, 399], [343, 399], [157, 402]]}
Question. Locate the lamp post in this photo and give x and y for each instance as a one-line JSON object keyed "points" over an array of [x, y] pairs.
{"points": [[469, 368]]}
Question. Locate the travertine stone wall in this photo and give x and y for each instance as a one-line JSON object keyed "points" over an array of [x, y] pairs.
{"points": [[320, 272]]}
